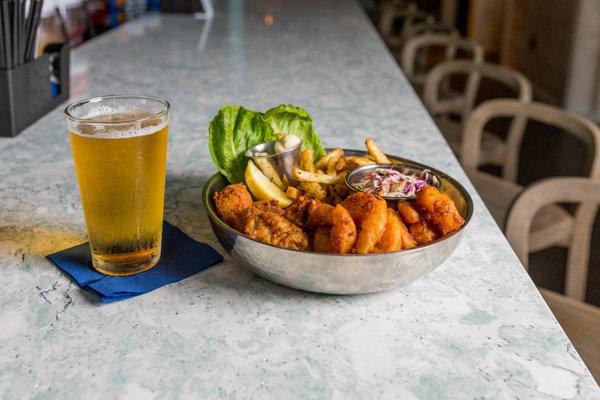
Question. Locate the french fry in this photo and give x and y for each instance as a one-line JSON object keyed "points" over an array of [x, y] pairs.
{"points": [[357, 161], [376, 152], [340, 165], [322, 163], [292, 192], [331, 165], [306, 160], [305, 176], [269, 170], [313, 190]]}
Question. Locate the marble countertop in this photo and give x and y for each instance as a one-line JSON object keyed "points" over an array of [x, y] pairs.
{"points": [[474, 328]]}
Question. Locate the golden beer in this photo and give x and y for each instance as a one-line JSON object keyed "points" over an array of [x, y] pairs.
{"points": [[120, 160]]}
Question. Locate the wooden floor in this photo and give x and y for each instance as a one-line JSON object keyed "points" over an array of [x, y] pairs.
{"points": [[581, 322]]}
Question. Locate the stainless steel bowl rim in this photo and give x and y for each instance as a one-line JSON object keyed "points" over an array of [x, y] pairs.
{"points": [[208, 205]]}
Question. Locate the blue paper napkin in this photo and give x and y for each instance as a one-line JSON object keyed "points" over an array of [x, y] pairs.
{"points": [[181, 256]]}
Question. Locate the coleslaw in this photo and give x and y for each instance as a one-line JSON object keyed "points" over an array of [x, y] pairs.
{"points": [[392, 183]]}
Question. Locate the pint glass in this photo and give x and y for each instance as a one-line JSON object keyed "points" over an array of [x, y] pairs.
{"points": [[119, 146]]}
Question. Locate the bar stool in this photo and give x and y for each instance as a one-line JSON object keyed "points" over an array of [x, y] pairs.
{"points": [[461, 104], [416, 72], [553, 225], [581, 321]]}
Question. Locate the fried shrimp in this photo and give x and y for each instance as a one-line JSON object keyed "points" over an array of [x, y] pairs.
{"points": [[361, 223], [391, 239], [440, 210], [369, 212], [408, 212], [396, 236], [321, 240], [300, 209], [320, 216], [422, 233], [342, 232], [408, 241], [231, 201]]}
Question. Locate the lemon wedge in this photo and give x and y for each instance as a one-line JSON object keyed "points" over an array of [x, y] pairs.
{"points": [[262, 188]]}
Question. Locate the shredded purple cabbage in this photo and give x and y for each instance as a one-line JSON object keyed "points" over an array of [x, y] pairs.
{"points": [[393, 183]]}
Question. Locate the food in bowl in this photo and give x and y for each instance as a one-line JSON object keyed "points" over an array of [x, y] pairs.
{"points": [[362, 223], [315, 209]]}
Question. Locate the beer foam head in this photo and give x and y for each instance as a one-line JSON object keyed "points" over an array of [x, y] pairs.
{"points": [[113, 118]]}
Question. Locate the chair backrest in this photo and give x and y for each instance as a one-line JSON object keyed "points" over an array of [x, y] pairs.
{"points": [[389, 12], [421, 28], [450, 43], [583, 191], [413, 21], [408, 15], [474, 125], [463, 104]]}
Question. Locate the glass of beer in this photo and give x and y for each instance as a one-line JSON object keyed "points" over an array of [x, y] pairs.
{"points": [[119, 146]]}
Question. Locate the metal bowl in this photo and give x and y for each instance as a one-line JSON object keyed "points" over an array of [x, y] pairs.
{"points": [[339, 273]]}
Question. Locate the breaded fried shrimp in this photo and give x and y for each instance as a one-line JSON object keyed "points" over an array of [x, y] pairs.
{"points": [[300, 209], [396, 236], [321, 240], [407, 212], [422, 233], [343, 230], [392, 237], [441, 210], [342, 233], [407, 240], [369, 212], [231, 201], [320, 216]]}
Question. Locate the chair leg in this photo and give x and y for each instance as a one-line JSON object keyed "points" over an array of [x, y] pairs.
{"points": [[577, 261]]}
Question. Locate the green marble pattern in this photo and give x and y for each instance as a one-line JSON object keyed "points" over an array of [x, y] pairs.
{"points": [[474, 328]]}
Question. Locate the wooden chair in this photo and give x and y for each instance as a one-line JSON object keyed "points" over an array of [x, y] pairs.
{"points": [[553, 225], [415, 72], [581, 321], [389, 12], [493, 147], [416, 29], [409, 16], [418, 20]]}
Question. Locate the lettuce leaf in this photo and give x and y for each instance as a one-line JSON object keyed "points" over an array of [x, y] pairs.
{"points": [[234, 130], [290, 119]]}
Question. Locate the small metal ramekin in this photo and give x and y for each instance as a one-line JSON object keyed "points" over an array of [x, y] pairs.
{"points": [[357, 174], [283, 162]]}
